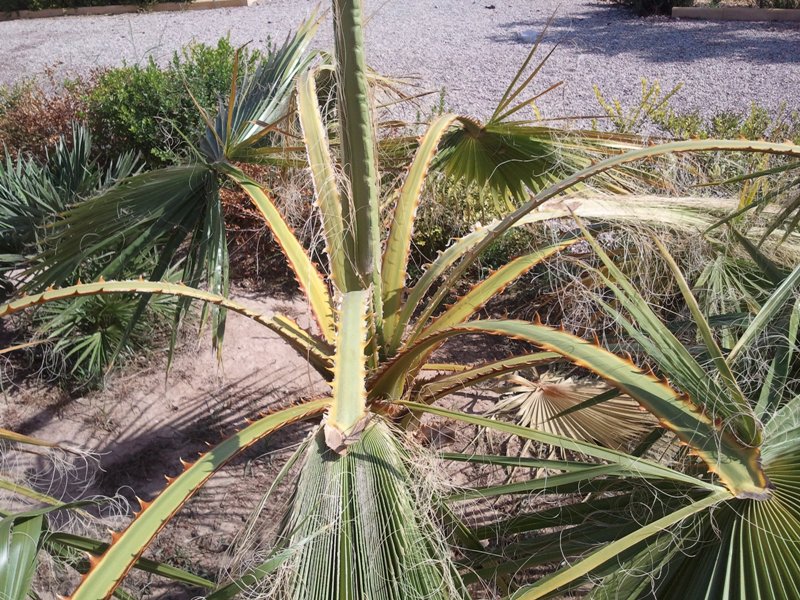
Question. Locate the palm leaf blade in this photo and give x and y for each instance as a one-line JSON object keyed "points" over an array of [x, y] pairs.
{"points": [[108, 571]]}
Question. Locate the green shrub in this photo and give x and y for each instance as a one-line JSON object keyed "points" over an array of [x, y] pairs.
{"points": [[653, 116], [653, 111], [755, 122], [651, 7], [11, 5], [140, 108], [779, 3], [147, 108]]}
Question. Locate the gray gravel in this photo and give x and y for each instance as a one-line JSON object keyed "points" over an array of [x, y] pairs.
{"points": [[470, 48]]}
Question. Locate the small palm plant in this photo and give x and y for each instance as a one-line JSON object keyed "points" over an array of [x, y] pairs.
{"points": [[358, 525], [33, 193], [74, 341]]}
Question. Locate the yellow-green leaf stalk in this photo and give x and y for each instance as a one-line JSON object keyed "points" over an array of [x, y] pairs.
{"points": [[348, 413]]}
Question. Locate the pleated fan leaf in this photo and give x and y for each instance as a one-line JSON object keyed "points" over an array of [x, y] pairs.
{"points": [[616, 423], [744, 549], [372, 537]]}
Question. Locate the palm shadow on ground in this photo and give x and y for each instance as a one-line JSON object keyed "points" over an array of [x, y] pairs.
{"points": [[600, 30]]}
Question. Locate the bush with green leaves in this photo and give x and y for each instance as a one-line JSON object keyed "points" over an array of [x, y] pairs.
{"points": [[759, 180], [754, 123], [12, 5], [653, 114], [362, 522], [152, 109], [651, 7]]}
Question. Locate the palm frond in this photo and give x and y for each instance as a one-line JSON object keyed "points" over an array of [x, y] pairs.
{"points": [[364, 499], [259, 103], [509, 159], [509, 156], [129, 219], [743, 549], [617, 422]]}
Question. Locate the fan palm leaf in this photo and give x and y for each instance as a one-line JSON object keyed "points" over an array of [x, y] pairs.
{"points": [[511, 156], [545, 404], [364, 499], [744, 549]]}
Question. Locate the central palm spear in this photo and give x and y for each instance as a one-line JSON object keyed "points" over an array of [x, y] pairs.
{"points": [[355, 494]]}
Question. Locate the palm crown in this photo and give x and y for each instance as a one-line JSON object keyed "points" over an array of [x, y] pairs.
{"points": [[360, 525]]}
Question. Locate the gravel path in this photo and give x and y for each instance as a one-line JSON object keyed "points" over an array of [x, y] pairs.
{"points": [[469, 47]]}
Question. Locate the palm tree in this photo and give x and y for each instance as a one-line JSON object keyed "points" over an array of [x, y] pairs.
{"points": [[360, 524]]}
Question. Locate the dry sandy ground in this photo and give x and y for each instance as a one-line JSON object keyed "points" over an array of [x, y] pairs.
{"points": [[139, 415]]}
